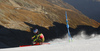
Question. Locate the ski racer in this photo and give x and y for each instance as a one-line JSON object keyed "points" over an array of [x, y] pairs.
{"points": [[38, 38]]}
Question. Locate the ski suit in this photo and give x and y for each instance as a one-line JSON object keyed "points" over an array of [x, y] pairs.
{"points": [[38, 38]]}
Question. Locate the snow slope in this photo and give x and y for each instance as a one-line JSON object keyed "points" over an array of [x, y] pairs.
{"points": [[78, 44]]}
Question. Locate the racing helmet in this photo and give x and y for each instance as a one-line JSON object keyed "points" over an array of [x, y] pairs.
{"points": [[35, 31]]}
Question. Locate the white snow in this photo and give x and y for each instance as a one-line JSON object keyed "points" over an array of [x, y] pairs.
{"points": [[78, 44]]}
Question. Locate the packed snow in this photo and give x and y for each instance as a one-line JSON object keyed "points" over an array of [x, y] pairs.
{"points": [[79, 43]]}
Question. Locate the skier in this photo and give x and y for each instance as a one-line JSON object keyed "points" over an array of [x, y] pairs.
{"points": [[38, 38]]}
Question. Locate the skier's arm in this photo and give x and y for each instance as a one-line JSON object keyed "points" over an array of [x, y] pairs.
{"points": [[33, 36]]}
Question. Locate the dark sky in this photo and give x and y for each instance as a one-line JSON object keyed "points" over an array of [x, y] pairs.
{"points": [[88, 7]]}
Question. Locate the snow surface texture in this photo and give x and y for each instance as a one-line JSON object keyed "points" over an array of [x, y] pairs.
{"points": [[79, 43]]}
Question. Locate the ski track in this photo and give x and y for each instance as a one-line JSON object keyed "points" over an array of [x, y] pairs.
{"points": [[78, 44]]}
